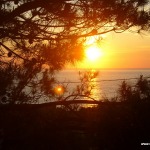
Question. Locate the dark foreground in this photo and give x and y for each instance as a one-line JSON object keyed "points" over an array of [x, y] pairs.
{"points": [[110, 126]]}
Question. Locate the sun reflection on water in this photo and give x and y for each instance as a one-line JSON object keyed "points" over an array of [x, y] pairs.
{"points": [[96, 90], [73, 81]]}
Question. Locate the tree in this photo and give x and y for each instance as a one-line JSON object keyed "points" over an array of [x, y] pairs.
{"points": [[143, 88], [139, 92], [34, 33], [125, 92]]}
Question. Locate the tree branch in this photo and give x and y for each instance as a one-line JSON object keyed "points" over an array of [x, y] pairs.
{"points": [[11, 51]]}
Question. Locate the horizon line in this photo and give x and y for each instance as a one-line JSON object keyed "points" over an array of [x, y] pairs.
{"points": [[107, 68]]}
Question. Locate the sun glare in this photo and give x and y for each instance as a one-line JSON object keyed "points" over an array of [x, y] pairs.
{"points": [[59, 90], [93, 53]]}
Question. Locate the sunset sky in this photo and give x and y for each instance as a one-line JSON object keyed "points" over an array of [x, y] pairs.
{"points": [[122, 50]]}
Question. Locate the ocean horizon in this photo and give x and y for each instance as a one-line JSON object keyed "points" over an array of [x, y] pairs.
{"points": [[107, 83]]}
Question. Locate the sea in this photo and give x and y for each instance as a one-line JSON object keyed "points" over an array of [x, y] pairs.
{"points": [[105, 85]]}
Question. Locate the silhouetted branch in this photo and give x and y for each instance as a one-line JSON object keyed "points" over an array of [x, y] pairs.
{"points": [[8, 49], [55, 103]]}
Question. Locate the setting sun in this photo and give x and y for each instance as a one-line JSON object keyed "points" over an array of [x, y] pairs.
{"points": [[93, 52]]}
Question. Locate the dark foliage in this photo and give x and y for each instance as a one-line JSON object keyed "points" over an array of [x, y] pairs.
{"points": [[111, 126], [135, 93], [24, 85], [38, 36]]}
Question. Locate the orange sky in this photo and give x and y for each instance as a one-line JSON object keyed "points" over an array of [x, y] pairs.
{"points": [[122, 50]]}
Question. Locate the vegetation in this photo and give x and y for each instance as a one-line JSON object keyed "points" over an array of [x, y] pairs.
{"points": [[37, 38], [140, 92], [40, 37], [108, 125]]}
